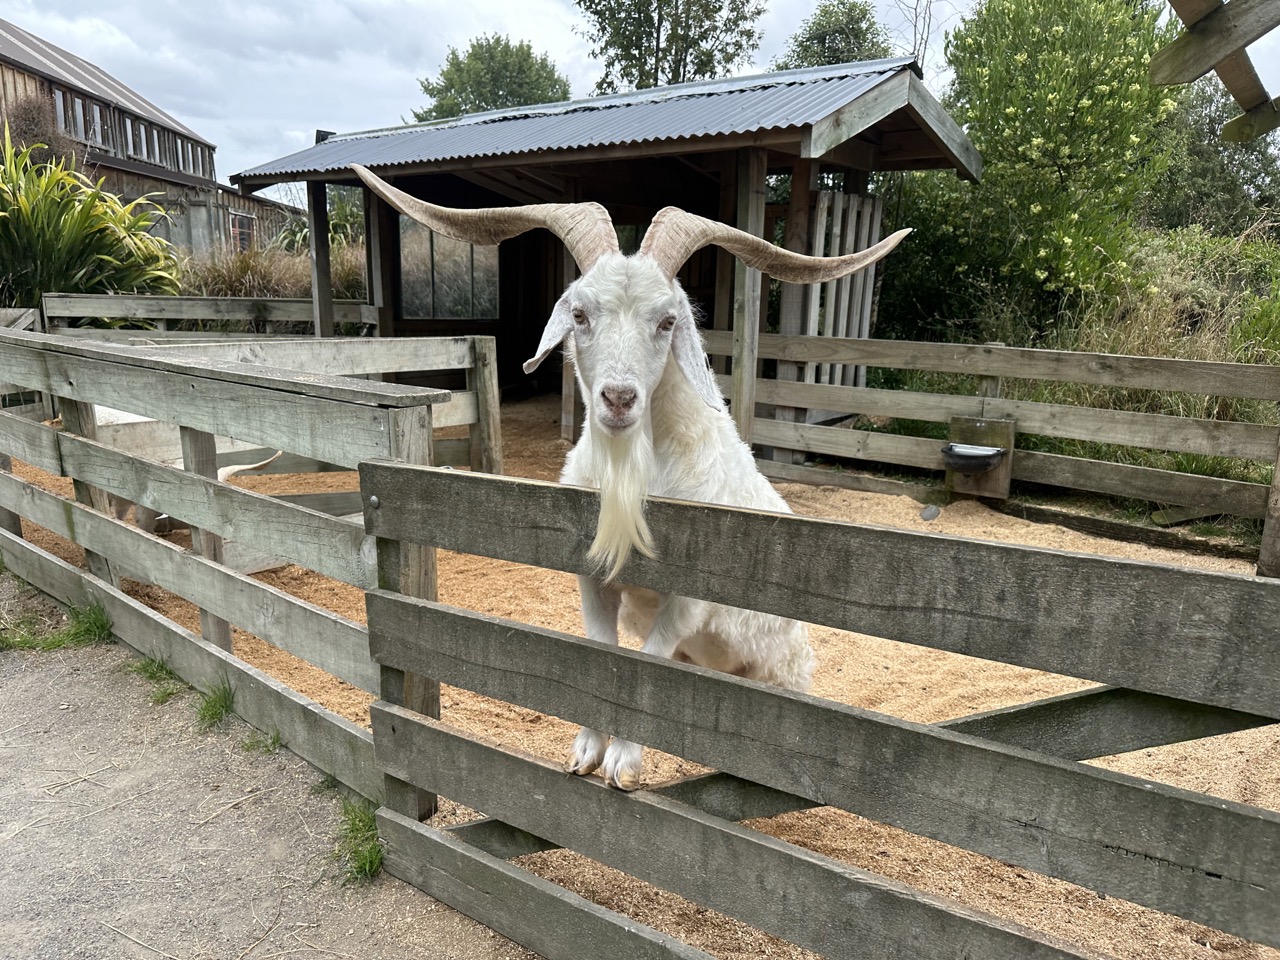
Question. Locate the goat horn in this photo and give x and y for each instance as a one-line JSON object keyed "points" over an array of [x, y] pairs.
{"points": [[585, 228], [675, 234]]}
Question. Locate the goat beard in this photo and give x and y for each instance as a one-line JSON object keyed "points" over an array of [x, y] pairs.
{"points": [[624, 466]]}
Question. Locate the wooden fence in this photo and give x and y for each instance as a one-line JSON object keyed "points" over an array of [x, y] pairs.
{"points": [[57, 309], [321, 416], [991, 364], [1189, 654]]}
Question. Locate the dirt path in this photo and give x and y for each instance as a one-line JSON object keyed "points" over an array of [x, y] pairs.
{"points": [[127, 833]]}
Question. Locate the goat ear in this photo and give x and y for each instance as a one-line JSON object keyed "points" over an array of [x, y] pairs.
{"points": [[558, 327], [691, 357]]}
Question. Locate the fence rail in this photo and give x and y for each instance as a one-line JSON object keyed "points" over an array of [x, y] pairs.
{"points": [[1184, 648]]}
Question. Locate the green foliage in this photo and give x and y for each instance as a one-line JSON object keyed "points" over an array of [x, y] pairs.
{"points": [[215, 706], [346, 223], [272, 272], [85, 626], [165, 684], [59, 232], [839, 31], [1054, 94], [1223, 187], [32, 123], [493, 74], [651, 43], [358, 845]]}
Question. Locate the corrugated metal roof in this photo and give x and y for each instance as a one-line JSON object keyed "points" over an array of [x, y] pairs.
{"points": [[775, 101], [36, 55]]}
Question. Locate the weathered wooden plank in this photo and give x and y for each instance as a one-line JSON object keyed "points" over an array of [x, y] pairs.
{"points": [[321, 276], [334, 504], [851, 480], [461, 410], [856, 444], [32, 443], [323, 638], [1222, 32], [1269, 551], [1212, 378], [1221, 438], [200, 456], [747, 287], [1255, 123], [79, 418], [330, 742], [331, 546], [329, 430], [521, 906], [62, 352], [1204, 859], [486, 434], [1143, 483], [341, 356], [785, 890], [1102, 722], [272, 310], [1198, 636]]}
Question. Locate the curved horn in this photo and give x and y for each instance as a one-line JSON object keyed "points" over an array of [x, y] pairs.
{"points": [[674, 235], [585, 228]]}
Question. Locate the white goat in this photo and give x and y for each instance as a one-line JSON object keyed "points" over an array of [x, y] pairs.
{"points": [[656, 425]]}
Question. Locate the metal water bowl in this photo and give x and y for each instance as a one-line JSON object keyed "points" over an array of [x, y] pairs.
{"points": [[971, 459]]}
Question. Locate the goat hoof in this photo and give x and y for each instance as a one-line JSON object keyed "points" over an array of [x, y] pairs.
{"points": [[587, 753], [581, 767], [626, 781]]}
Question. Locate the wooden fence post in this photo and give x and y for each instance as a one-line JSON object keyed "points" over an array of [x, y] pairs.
{"points": [[746, 291], [409, 569], [486, 432], [200, 456], [804, 176], [9, 521], [1269, 552], [79, 418], [321, 276]]}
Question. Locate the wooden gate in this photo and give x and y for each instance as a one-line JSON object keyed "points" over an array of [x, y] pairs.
{"points": [[1189, 654]]}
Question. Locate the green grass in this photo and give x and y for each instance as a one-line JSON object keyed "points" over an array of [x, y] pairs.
{"points": [[85, 626], [358, 846], [259, 742], [165, 684], [215, 706]]}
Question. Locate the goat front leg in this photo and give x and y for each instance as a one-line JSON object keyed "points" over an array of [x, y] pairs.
{"points": [[674, 621], [600, 605]]}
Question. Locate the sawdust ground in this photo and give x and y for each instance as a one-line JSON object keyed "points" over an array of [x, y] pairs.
{"points": [[910, 682]]}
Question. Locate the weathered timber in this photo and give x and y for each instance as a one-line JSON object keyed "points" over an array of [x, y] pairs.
{"points": [[855, 444], [331, 546], [1102, 722], [1269, 551], [31, 443], [330, 742], [321, 275], [983, 432], [747, 287], [200, 456], [1211, 378], [9, 520], [1222, 32], [1198, 636], [62, 356], [669, 844], [341, 356], [1204, 859], [79, 418], [269, 310], [486, 432], [318, 636], [851, 480], [533, 912]]}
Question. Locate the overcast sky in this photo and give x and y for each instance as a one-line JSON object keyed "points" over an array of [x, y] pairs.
{"points": [[259, 79]]}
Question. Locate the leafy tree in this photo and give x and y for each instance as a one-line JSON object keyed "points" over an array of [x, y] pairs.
{"points": [[32, 123], [1224, 187], [651, 43], [839, 31], [493, 74], [61, 232], [1054, 94]]}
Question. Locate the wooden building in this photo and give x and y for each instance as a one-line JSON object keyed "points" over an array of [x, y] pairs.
{"points": [[708, 147], [133, 145]]}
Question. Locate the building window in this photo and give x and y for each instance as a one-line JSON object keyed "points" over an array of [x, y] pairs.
{"points": [[241, 232], [78, 117], [60, 108], [446, 279]]}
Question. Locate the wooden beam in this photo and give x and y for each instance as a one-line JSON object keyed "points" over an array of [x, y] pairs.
{"points": [[853, 118], [382, 252], [747, 290], [321, 275], [804, 181], [1253, 124], [200, 456], [938, 125], [1225, 30]]}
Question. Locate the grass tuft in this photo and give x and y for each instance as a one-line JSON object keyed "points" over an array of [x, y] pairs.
{"points": [[259, 742], [85, 626], [358, 845], [215, 706], [165, 683]]}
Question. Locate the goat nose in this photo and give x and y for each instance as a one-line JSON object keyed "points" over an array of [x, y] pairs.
{"points": [[617, 399]]}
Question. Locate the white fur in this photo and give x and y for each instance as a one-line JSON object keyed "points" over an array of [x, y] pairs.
{"points": [[677, 440]]}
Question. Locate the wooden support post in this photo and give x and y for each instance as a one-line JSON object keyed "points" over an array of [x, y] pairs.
{"points": [[873, 211], [722, 317], [200, 456], [571, 405], [382, 263], [1269, 552], [791, 313], [486, 432], [409, 569], [10, 522], [983, 432], [321, 277], [79, 418], [747, 288], [989, 387]]}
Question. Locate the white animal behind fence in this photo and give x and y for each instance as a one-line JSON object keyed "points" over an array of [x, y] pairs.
{"points": [[656, 425]]}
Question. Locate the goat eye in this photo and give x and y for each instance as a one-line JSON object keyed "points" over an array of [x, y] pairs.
{"points": [[580, 316], [666, 323]]}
